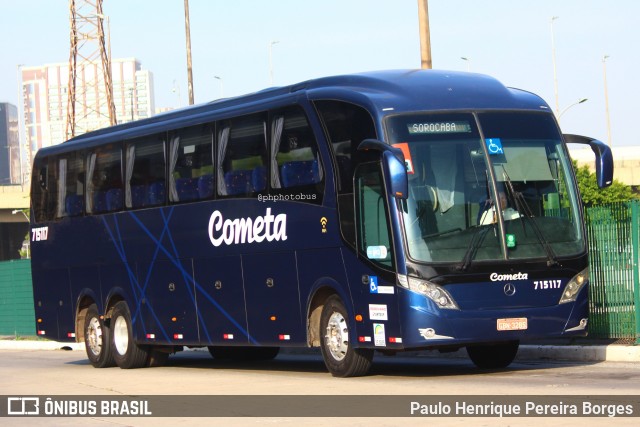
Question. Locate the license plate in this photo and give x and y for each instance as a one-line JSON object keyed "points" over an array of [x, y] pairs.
{"points": [[512, 324]]}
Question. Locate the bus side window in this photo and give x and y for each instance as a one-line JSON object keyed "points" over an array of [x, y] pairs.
{"points": [[70, 185], [145, 183], [374, 242], [190, 164], [104, 180], [295, 161], [242, 156], [346, 126], [43, 190]]}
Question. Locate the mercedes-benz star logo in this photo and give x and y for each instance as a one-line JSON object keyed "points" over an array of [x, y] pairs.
{"points": [[509, 289]]}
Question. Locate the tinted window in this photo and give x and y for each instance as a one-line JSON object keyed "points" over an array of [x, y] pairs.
{"points": [[70, 185], [190, 164], [145, 173], [43, 189], [242, 156], [346, 126], [295, 162], [104, 179]]}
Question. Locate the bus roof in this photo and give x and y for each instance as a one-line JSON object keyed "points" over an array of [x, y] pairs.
{"points": [[383, 92]]}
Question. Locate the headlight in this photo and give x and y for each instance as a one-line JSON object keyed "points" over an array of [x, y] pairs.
{"points": [[574, 286], [434, 292]]}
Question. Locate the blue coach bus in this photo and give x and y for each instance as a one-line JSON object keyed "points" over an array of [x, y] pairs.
{"points": [[385, 211]]}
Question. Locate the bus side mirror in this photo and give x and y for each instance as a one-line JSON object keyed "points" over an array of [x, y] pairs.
{"points": [[604, 158], [393, 166]]}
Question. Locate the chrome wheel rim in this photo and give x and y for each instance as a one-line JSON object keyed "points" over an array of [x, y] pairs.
{"points": [[337, 336], [121, 335], [94, 336]]}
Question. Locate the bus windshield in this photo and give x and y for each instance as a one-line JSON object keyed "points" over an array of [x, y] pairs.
{"points": [[486, 186]]}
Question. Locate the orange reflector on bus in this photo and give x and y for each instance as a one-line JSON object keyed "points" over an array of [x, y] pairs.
{"points": [[39, 320], [358, 317], [173, 319], [273, 318]]}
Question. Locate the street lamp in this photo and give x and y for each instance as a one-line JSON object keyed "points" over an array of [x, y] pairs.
{"points": [[221, 85], [555, 74], [270, 60], [468, 60], [15, 211], [606, 98], [579, 101]]}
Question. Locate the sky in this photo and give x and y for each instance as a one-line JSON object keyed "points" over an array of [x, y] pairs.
{"points": [[507, 39]]}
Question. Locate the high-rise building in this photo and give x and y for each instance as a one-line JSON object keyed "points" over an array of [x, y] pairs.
{"points": [[10, 169], [45, 96]]}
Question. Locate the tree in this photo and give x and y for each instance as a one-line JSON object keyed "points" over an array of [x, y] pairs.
{"points": [[592, 195]]}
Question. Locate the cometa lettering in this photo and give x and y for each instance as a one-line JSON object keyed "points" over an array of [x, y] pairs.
{"points": [[495, 277], [247, 230]]}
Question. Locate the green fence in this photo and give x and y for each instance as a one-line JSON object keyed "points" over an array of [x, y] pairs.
{"points": [[17, 316], [615, 283]]}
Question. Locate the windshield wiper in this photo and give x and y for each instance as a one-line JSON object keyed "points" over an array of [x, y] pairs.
{"points": [[472, 249], [523, 207]]}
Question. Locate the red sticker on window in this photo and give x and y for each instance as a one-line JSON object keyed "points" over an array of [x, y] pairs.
{"points": [[407, 155]]}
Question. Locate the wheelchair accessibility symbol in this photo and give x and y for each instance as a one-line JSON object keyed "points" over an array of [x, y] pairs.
{"points": [[494, 145]]}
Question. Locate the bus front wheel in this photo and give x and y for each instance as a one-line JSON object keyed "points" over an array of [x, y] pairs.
{"points": [[97, 340], [493, 356], [127, 354], [340, 357]]}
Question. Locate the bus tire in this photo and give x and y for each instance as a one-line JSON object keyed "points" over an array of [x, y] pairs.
{"points": [[340, 357], [493, 356], [127, 354], [97, 339]]}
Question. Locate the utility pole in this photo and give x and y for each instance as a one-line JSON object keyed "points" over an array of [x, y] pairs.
{"points": [[555, 74], [189, 71], [88, 57], [425, 37]]}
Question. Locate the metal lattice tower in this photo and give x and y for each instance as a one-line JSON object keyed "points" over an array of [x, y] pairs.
{"points": [[90, 95]]}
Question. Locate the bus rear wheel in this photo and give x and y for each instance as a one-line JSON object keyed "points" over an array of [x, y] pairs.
{"points": [[97, 339], [127, 354], [340, 357], [493, 356]]}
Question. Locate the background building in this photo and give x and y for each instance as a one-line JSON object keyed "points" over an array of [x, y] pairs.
{"points": [[45, 96], [9, 145]]}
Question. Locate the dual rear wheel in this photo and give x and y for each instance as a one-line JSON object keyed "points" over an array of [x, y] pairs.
{"points": [[114, 345]]}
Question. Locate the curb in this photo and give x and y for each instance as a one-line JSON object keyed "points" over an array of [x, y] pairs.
{"points": [[577, 353]]}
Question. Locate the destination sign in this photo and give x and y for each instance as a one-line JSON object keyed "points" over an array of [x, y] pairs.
{"points": [[438, 128]]}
